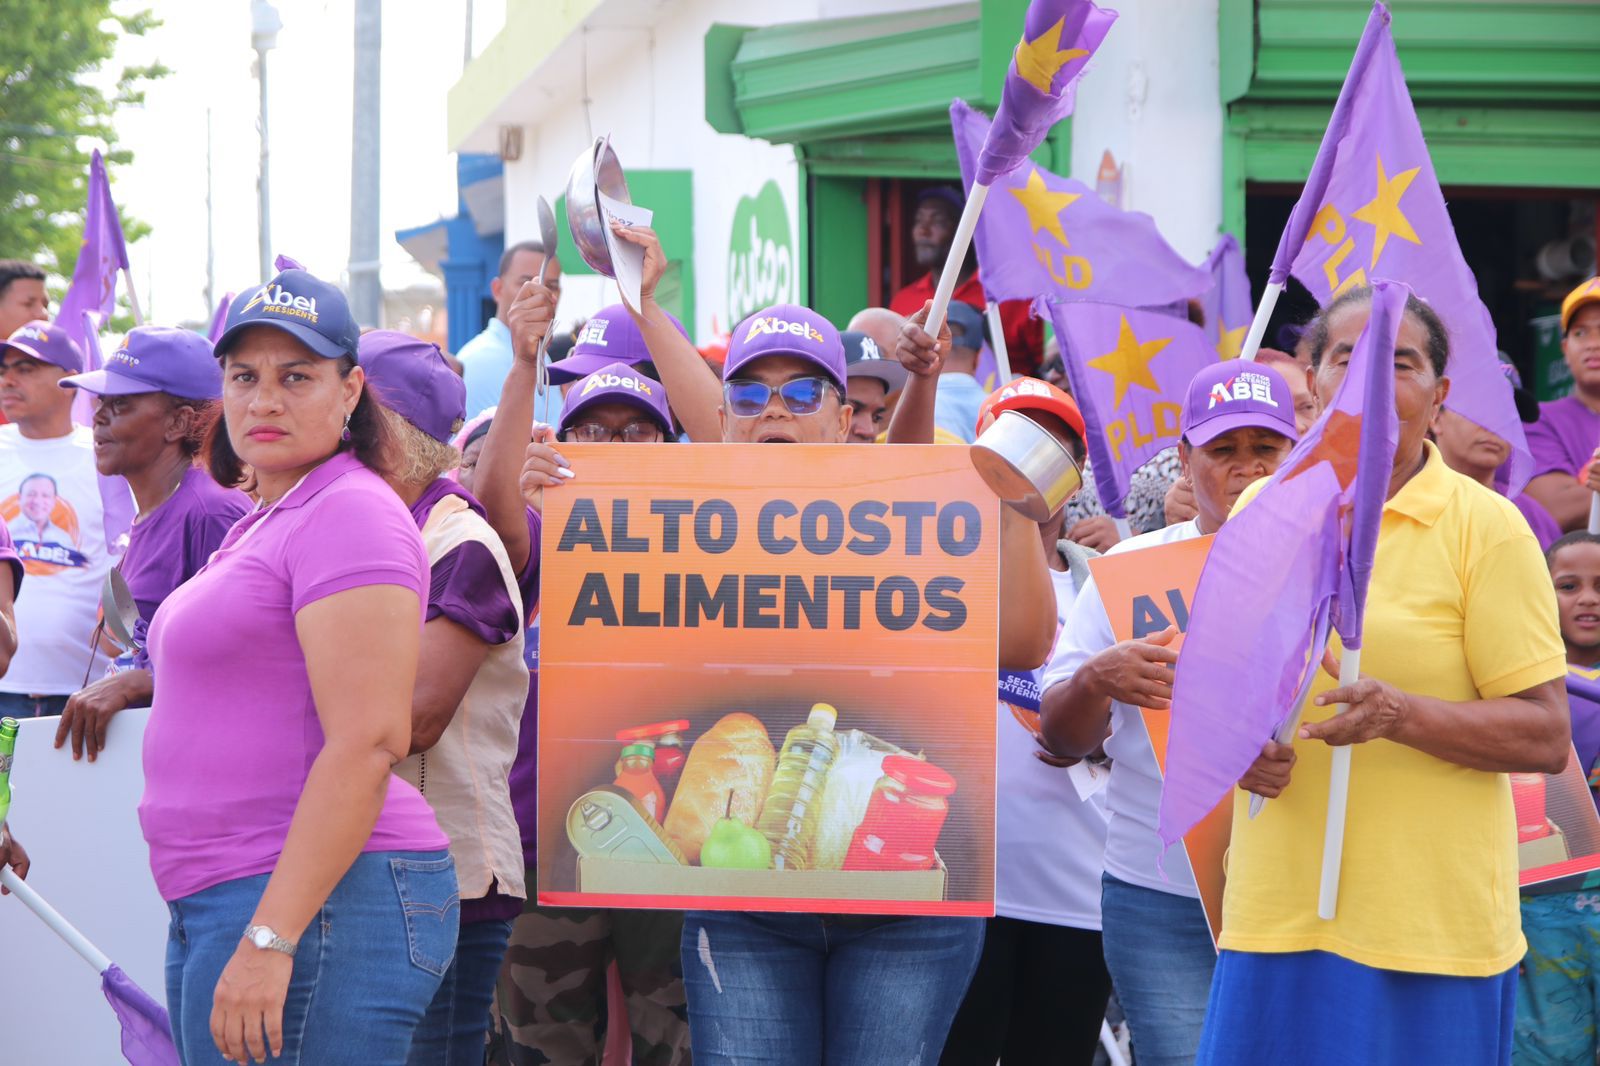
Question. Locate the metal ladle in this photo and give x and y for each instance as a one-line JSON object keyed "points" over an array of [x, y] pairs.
{"points": [[549, 237]]}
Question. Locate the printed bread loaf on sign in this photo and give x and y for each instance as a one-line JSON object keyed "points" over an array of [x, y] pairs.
{"points": [[736, 756]]}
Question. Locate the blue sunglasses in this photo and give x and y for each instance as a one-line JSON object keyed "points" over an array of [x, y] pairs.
{"points": [[802, 396]]}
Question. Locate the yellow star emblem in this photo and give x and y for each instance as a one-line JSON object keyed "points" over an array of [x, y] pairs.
{"points": [[1382, 212], [1040, 60], [1129, 362], [1044, 207], [1231, 342]]}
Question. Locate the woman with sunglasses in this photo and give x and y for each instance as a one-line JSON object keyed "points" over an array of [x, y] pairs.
{"points": [[811, 988], [154, 397]]}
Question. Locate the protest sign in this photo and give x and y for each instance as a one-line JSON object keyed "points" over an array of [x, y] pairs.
{"points": [[710, 598], [1144, 592], [1558, 829]]}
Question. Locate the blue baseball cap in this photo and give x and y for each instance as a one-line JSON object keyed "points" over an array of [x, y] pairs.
{"points": [[307, 308], [617, 383], [966, 325], [410, 377], [787, 329], [178, 362]]}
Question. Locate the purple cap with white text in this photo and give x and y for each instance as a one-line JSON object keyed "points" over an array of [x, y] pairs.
{"points": [[1234, 393], [412, 379], [786, 329], [47, 343], [617, 383], [178, 362], [610, 336]]}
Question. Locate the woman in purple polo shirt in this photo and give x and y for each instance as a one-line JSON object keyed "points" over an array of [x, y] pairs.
{"points": [[154, 395], [471, 688], [313, 902]]}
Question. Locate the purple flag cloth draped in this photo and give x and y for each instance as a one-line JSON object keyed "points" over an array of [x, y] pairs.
{"points": [[1129, 371], [116, 498], [102, 254], [1041, 234], [1372, 207], [1288, 566], [1058, 37], [1227, 304], [146, 1030], [284, 262], [219, 317]]}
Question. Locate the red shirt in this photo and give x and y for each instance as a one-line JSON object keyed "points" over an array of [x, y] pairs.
{"points": [[1024, 334]]}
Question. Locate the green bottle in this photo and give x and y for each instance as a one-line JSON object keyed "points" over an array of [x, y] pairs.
{"points": [[8, 748]]}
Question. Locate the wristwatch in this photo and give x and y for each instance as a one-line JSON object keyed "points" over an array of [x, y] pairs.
{"points": [[265, 939]]}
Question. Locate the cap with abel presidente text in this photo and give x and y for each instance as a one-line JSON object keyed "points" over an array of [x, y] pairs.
{"points": [[307, 308]]}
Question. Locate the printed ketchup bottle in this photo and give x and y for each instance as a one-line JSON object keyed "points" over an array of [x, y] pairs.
{"points": [[668, 739]]}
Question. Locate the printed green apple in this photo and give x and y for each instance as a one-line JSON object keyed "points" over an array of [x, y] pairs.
{"points": [[732, 845]]}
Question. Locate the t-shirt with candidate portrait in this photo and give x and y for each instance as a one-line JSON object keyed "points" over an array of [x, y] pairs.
{"points": [[51, 504]]}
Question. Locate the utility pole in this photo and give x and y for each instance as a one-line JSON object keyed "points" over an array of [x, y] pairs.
{"points": [[366, 288], [264, 26]]}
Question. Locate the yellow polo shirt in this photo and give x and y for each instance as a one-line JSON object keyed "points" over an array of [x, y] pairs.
{"points": [[1461, 608]]}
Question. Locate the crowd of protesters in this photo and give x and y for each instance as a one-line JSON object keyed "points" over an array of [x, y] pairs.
{"points": [[334, 569]]}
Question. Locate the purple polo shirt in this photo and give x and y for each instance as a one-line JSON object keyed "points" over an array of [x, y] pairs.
{"points": [[524, 770], [234, 729], [1544, 527], [173, 542], [1564, 438]]}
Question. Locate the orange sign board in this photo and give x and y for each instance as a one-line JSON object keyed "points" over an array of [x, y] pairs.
{"points": [[1144, 592], [708, 598]]}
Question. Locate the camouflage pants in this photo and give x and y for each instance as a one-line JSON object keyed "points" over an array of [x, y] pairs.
{"points": [[550, 1002]]}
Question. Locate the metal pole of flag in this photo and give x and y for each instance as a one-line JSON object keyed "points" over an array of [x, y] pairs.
{"points": [[1338, 798], [52, 917], [958, 255], [1258, 325], [997, 343]]}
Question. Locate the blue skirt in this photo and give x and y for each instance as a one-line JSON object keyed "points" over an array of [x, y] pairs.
{"points": [[1311, 1008]]}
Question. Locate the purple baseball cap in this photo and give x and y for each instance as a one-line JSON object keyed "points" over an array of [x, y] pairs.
{"points": [[178, 362], [1227, 395], [610, 336], [617, 383], [47, 343], [786, 329], [412, 379]]}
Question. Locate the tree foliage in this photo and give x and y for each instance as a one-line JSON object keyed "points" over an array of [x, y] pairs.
{"points": [[52, 116]]}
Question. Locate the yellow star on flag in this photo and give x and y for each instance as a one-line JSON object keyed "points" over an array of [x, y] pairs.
{"points": [[1232, 342], [1383, 211], [1129, 362], [1044, 207], [1039, 61]]}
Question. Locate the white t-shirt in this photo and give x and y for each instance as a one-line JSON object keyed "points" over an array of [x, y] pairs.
{"points": [[1049, 843], [1133, 794], [50, 502]]}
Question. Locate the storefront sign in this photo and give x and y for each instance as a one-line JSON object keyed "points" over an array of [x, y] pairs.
{"points": [[761, 254]]}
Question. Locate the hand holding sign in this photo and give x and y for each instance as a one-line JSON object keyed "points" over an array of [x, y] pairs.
{"points": [[542, 468], [1137, 672]]}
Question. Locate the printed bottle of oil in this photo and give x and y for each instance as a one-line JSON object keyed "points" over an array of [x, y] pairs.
{"points": [[789, 815]]}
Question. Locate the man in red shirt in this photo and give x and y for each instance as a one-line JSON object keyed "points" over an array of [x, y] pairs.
{"points": [[933, 228]]}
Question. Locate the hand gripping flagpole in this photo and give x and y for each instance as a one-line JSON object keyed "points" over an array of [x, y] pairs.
{"points": [[958, 255], [1338, 798]]}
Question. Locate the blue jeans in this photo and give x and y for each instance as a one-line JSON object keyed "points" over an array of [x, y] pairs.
{"points": [[1159, 951], [456, 1025], [20, 705], [803, 989], [364, 972]]}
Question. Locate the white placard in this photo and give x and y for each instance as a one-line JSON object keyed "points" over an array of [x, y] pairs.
{"points": [[627, 259], [79, 822]]}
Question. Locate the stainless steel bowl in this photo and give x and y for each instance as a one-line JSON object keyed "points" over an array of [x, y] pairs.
{"points": [[595, 170], [1026, 466]]}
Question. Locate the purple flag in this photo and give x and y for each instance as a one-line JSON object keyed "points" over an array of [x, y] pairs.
{"points": [[1227, 303], [1372, 207], [1282, 571], [146, 1029], [102, 254], [116, 498], [1129, 371], [1058, 37], [1040, 234], [284, 262], [219, 317]]}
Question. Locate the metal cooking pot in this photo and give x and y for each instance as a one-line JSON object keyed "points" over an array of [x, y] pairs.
{"points": [[1026, 466], [596, 170]]}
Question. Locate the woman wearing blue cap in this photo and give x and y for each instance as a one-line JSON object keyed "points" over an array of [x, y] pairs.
{"points": [[155, 394], [313, 900]]}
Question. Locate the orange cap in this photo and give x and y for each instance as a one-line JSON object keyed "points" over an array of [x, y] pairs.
{"points": [[1585, 294], [1031, 394]]}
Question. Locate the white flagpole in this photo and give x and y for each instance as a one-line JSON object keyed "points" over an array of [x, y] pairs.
{"points": [[1258, 325], [133, 297], [958, 255], [52, 917], [1338, 797], [1594, 513], [997, 343]]}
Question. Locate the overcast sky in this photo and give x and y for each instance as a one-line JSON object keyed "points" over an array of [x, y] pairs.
{"points": [[207, 45]]}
